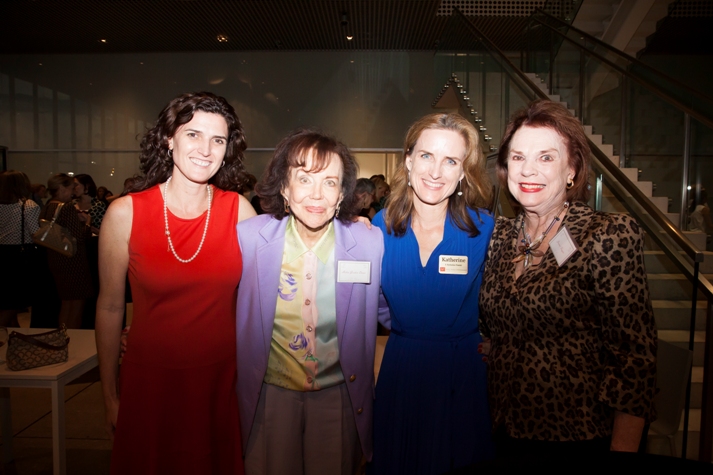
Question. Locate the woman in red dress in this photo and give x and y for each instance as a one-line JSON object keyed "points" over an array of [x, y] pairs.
{"points": [[175, 410]]}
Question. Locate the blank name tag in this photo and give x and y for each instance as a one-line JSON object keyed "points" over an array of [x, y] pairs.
{"points": [[563, 245], [456, 265], [355, 272]]}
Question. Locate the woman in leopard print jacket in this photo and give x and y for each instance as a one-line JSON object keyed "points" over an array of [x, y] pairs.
{"points": [[566, 303]]}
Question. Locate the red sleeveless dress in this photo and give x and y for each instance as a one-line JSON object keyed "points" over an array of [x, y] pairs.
{"points": [[178, 411]]}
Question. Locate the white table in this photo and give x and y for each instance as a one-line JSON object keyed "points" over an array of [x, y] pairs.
{"points": [[82, 358]]}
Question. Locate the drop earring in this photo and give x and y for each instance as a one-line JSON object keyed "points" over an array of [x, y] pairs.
{"points": [[460, 187]]}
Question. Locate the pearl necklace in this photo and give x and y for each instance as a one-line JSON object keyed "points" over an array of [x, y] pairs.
{"points": [[528, 249], [168, 233]]}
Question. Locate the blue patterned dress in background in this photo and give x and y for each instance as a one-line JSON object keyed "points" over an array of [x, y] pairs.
{"points": [[431, 412]]}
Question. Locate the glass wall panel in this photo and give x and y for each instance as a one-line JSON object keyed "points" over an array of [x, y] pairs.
{"points": [[24, 115], [5, 111], [45, 138]]}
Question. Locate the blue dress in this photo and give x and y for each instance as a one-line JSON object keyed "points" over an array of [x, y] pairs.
{"points": [[431, 409]]}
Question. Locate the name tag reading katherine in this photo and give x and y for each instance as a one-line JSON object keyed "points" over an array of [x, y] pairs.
{"points": [[457, 265], [355, 272]]}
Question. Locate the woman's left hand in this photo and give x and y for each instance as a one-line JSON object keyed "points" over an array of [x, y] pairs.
{"points": [[626, 434], [363, 220]]}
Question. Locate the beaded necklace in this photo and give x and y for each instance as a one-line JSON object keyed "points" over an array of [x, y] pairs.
{"points": [[168, 233], [528, 249]]}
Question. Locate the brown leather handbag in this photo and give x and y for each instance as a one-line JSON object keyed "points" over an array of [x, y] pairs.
{"points": [[53, 236]]}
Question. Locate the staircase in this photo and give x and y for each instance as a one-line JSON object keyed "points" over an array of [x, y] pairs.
{"points": [[623, 24]]}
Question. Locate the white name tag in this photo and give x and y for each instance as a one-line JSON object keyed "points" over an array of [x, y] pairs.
{"points": [[563, 245], [355, 272], [457, 265]]}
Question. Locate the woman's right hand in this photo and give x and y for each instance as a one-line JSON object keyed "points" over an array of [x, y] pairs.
{"points": [[484, 348], [111, 409]]}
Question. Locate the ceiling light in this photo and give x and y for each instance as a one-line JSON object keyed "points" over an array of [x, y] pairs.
{"points": [[222, 38], [103, 40], [350, 37]]}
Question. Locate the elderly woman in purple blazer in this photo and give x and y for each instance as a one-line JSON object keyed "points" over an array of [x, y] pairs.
{"points": [[307, 312]]}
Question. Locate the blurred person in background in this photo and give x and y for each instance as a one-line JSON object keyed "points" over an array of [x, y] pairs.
{"points": [[85, 193], [364, 193], [72, 275], [18, 213]]}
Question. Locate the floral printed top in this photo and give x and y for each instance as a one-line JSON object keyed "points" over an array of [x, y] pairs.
{"points": [[304, 351], [572, 344]]}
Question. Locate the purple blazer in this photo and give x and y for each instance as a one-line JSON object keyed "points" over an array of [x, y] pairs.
{"points": [[262, 241]]}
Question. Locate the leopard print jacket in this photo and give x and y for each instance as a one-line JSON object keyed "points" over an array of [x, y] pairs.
{"points": [[571, 344]]}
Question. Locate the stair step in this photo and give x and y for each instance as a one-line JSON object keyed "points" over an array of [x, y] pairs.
{"points": [[608, 149], [596, 139], [694, 421], [554, 97], [680, 338], [631, 173], [658, 263], [661, 202], [646, 187], [676, 314], [698, 238], [671, 287], [673, 217]]}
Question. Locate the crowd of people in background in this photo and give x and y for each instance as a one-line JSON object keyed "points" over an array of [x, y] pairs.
{"points": [[58, 289]]}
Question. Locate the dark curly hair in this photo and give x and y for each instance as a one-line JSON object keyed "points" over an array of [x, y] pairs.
{"points": [[156, 164], [291, 153]]}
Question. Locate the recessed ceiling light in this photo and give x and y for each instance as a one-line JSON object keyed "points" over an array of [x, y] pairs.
{"points": [[222, 38], [103, 40], [350, 37]]}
